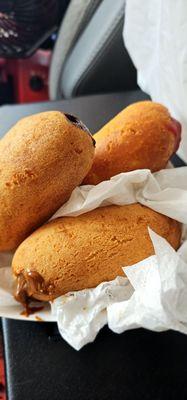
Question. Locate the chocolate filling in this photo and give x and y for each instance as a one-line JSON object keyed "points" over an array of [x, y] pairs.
{"points": [[76, 121], [29, 284], [32, 310]]}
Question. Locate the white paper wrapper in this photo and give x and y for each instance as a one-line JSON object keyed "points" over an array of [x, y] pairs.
{"points": [[160, 296], [155, 35], [164, 191], [80, 315]]}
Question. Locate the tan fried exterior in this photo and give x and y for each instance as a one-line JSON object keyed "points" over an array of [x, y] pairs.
{"points": [[76, 253], [141, 136], [42, 159]]}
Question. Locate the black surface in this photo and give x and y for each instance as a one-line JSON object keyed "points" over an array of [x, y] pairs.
{"points": [[135, 365]]}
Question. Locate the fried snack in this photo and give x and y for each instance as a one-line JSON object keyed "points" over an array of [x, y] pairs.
{"points": [[70, 254], [143, 135], [42, 159]]}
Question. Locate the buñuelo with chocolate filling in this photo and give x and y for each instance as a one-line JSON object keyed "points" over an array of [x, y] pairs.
{"points": [[42, 159], [69, 254]]}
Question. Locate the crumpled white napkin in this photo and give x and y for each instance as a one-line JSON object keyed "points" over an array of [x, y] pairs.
{"points": [[164, 191], [81, 315], [160, 296]]}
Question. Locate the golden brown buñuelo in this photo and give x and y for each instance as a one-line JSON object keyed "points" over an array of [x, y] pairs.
{"points": [[42, 159], [70, 254], [143, 135]]}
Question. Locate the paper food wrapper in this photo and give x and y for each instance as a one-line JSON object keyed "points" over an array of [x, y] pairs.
{"points": [[154, 293], [155, 36]]}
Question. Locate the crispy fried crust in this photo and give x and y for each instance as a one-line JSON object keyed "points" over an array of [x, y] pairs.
{"points": [[42, 159], [143, 135], [70, 254]]}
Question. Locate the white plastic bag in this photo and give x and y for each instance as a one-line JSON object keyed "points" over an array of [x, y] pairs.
{"points": [[155, 33]]}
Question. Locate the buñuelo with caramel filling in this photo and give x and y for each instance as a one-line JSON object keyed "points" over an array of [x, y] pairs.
{"points": [[74, 253]]}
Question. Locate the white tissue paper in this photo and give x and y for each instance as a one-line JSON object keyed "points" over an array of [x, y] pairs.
{"points": [[155, 293], [155, 36]]}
